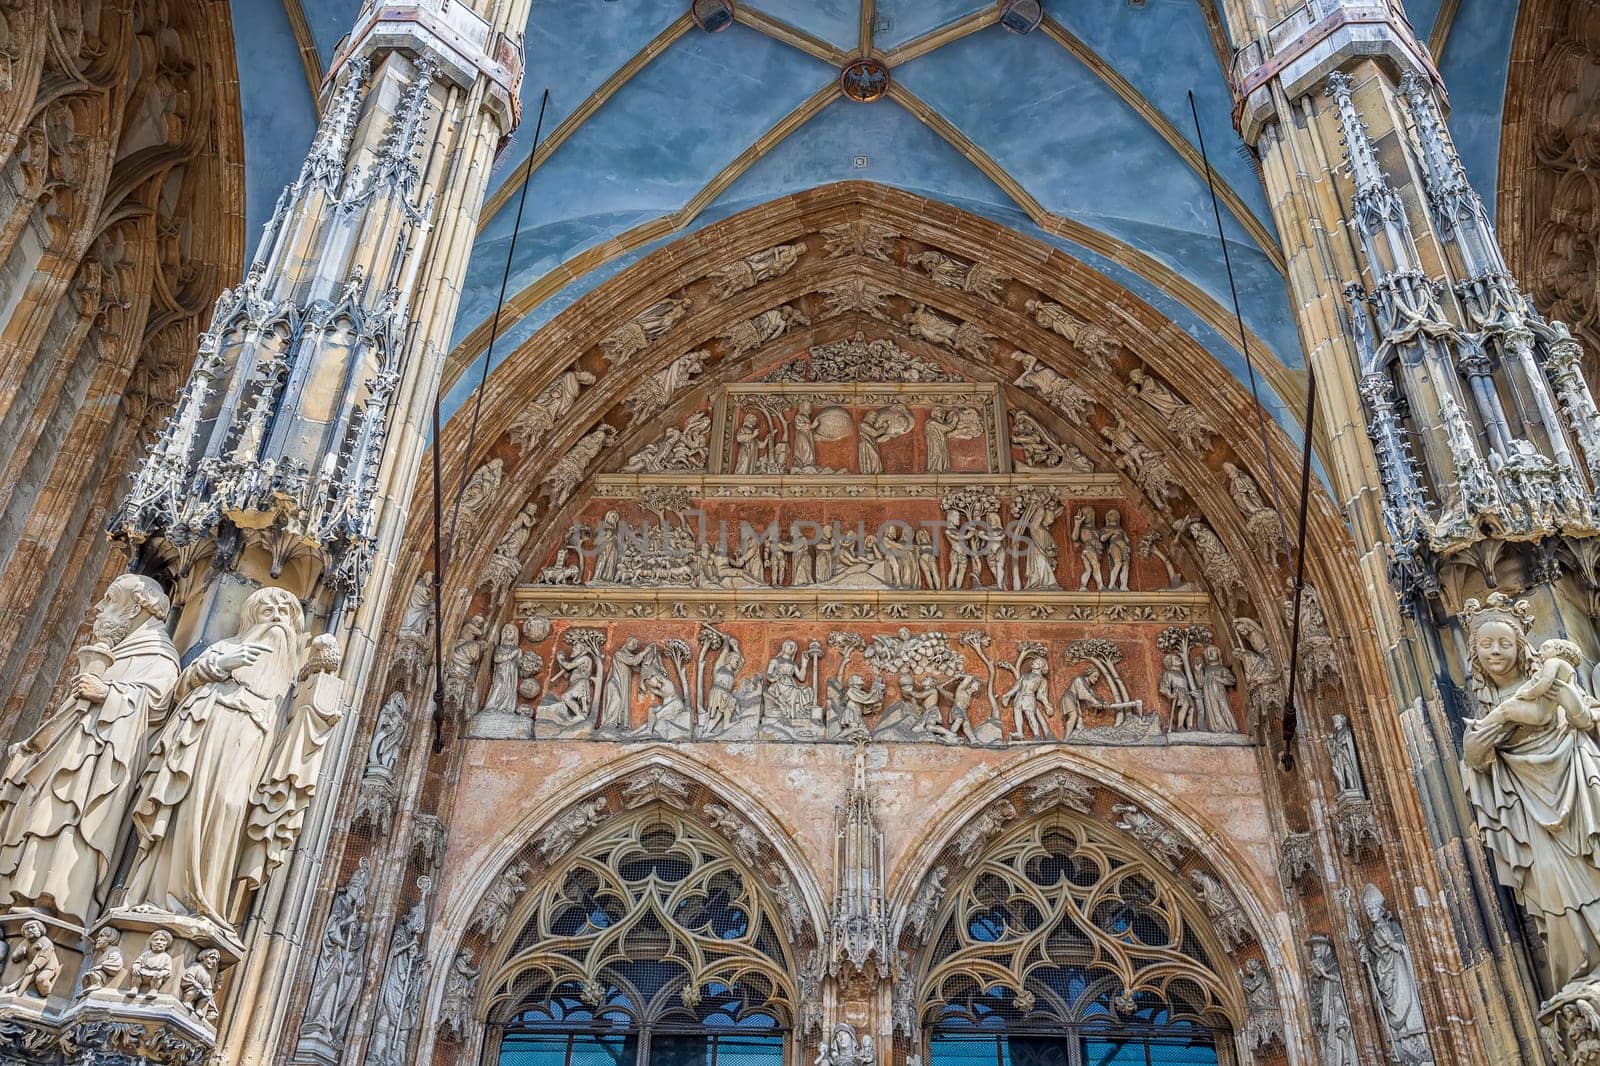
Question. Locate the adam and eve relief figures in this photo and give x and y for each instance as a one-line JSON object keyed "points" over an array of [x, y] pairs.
{"points": [[900, 685]]}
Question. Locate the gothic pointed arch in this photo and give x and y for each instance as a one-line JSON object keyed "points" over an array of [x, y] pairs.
{"points": [[1061, 906], [857, 356], [656, 902]]}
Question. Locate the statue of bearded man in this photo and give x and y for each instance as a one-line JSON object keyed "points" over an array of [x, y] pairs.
{"points": [[195, 799], [65, 792]]}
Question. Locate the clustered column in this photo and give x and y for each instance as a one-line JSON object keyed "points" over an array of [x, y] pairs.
{"points": [[1463, 445], [143, 827]]}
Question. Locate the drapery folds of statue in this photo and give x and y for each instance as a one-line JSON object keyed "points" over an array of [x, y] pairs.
{"points": [[226, 784], [1531, 766], [66, 789]]}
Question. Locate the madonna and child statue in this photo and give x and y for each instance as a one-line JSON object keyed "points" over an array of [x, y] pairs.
{"points": [[1531, 768]]}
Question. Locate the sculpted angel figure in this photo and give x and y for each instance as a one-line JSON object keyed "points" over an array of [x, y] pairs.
{"points": [[194, 801], [66, 790]]}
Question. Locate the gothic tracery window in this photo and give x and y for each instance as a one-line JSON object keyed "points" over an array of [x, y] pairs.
{"points": [[650, 944], [1063, 946]]}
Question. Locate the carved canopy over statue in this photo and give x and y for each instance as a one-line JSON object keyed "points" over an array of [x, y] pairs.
{"points": [[1531, 766]]}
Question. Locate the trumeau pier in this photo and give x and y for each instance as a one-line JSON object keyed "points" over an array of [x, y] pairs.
{"points": [[859, 625]]}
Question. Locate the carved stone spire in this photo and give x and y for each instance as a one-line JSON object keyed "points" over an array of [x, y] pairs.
{"points": [[858, 936]]}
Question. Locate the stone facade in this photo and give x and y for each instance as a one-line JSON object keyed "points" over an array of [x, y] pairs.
{"points": [[854, 617]]}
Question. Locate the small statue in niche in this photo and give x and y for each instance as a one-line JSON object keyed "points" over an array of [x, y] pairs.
{"points": [[844, 1049], [1346, 764], [1215, 679], [1086, 536], [1174, 686], [153, 967], [38, 977], [1029, 698], [502, 697], [198, 986], [108, 961], [1394, 980]]}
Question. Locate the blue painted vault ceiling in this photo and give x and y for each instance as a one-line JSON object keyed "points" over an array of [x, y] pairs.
{"points": [[1086, 120]]}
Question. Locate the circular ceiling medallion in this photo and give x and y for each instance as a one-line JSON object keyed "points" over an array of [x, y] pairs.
{"points": [[1021, 16], [712, 16], [864, 80]]}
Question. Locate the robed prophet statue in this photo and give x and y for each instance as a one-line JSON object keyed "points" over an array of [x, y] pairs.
{"points": [[230, 773], [66, 790]]}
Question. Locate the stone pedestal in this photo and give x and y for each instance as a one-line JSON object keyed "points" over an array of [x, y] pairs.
{"points": [[500, 725], [160, 1004]]}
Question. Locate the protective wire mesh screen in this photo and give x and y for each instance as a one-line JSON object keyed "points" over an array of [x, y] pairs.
{"points": [[650, 945], [1060, 946]]}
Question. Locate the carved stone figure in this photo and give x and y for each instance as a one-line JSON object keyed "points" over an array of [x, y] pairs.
{"points": [[504, 675], [1216, 562], [1060, 789], [209, 760], [1041, 450], [1145, 467], [657, 391], [1263, 1016], [466, 658], [745, 842], [402, 983], [506, 563], [1181, 417], [752, 269], [843, 1049], [418, 614], [648, 326], [1036, 511], [962, 338], [1215, 679], [581, 672], [67, 789], [197, 988], [565, 831], [684, 450], [479, 495], [499, 901], [1086, 535], [552, 405], [788, 696], [656, 784], [153, 968], [1164, 842], [569, 471], [981, 281], [976, 834], [1342, 753], [616, 694], [455, 1011], [1229, 922], [924, 908], [1319, 659], [1330, 1007], [1029, 700], [1529, 762], [107, 961], [39, 974], [1091, 340], [1261, 522], [1394, 982], [338, 973], [859, 238], [1262, 675], [764, 328], [388, 736], [1070, 401], [1118, 548], [1174, 687]]}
